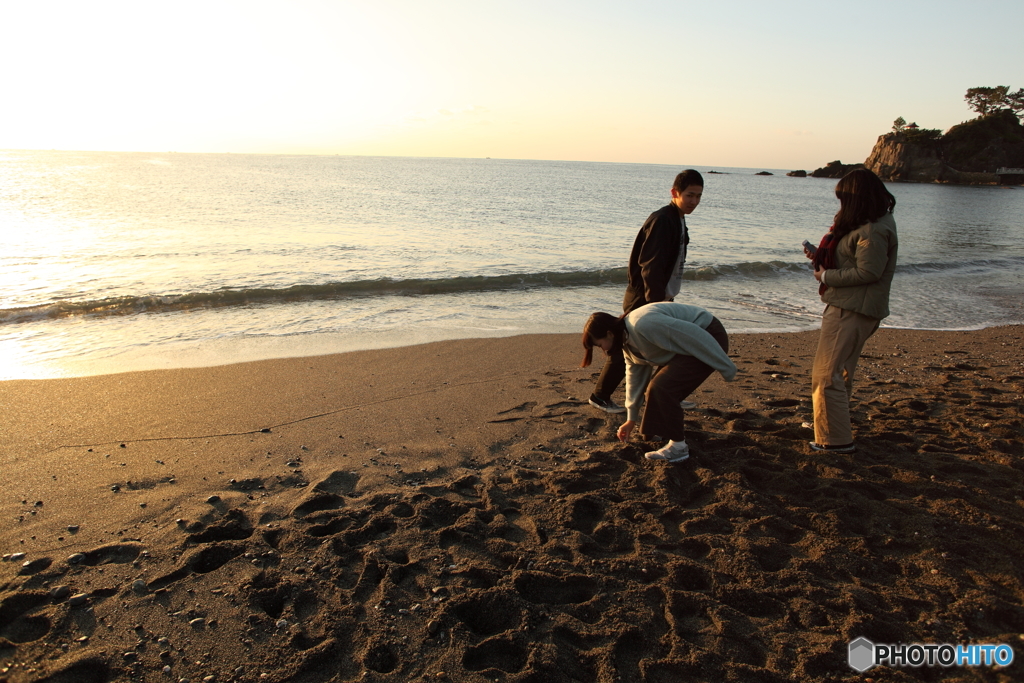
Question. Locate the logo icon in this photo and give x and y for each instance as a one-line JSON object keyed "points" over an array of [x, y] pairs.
{"points": [[862, 654]]}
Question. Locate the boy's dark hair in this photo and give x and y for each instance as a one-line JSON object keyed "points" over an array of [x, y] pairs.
{"points": [[687, 178]]}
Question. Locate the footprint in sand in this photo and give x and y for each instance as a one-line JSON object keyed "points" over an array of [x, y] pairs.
{"points": [[328, 494], [585, 513], [276, 597], [115, 553], [380, 657], [18, 623], [507, 654], [88, 669], [200, 561], [548, 589], [252, 484], [317, 501], [235, 526], [489, 613], [339, 483]]}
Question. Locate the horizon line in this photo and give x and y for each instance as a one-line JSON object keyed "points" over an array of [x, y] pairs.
{"points": [[393, 156]]}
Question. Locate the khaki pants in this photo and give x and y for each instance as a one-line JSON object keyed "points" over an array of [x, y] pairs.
{"points": [[843, 334]]}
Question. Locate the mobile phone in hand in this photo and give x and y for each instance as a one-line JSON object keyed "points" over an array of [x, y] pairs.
{"points": [[811, 249]]}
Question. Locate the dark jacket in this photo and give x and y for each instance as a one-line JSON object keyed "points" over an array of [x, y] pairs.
{"points": [[653, 257]]}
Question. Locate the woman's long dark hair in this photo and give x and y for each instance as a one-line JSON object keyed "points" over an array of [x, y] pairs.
{"points": [[598, 326], [863, 198]]}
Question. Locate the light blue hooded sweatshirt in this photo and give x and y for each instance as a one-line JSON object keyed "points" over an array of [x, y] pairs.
{"points": [[658, 332]]}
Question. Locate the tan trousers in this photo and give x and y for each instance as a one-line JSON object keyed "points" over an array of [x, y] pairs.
{"points": [[843, 334]]}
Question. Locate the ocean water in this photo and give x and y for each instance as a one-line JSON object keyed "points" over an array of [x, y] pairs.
{"points": [[126, 261]]}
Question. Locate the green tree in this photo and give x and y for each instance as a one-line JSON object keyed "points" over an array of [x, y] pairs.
{"points": [[987, 100], [1015, 101], [899, 124]]}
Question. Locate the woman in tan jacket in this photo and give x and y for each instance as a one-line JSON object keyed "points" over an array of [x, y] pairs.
{"points": [[854, 265]]}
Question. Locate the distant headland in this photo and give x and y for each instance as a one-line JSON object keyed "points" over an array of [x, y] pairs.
{"points": [[988, 150]]}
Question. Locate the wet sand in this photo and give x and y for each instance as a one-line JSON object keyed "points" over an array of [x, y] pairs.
{"points": [[457, 512]]}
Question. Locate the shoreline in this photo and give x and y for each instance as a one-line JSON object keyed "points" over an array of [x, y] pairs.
{"points": [[457, 508], [224, 352]]}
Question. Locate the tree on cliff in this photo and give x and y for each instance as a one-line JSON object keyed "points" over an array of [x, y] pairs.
{"points": [[987, 101], [1015, 100], [899, 124]]}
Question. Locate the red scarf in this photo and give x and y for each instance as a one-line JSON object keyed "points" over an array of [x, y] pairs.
{"points": [[825, 257]]}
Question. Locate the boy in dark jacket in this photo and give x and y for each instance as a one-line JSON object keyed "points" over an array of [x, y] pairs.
{"points": [[655, 272]]}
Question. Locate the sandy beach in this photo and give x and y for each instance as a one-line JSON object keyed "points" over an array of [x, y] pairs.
{"points": [[457, 512]]}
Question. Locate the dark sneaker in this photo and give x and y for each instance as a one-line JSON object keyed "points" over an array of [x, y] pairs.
{"points": [[606, 404], [848, 448]]}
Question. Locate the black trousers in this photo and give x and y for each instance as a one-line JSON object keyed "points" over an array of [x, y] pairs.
{"points": [[672, 383], [612, 374]]}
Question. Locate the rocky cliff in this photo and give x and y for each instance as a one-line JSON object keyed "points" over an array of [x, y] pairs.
{"points": [[967, 153], [894, 157]]}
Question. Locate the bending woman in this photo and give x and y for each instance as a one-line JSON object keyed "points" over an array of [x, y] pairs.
{"points": [[670, 349], [854, 265]]}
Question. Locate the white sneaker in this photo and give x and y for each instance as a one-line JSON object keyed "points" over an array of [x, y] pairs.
{"points": [[673, 451], [687, 405]]}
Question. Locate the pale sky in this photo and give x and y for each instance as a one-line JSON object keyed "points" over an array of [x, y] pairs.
{"points": [[781, 85]]}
